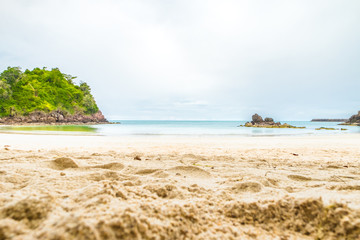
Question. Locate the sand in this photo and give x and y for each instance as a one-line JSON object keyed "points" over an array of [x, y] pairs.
{"points": [[94, 187]]}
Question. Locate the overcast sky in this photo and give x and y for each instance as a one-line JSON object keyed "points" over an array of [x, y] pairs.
{"points": [[192, 59]]}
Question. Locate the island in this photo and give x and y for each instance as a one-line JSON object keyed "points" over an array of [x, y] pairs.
{"points": [[354, 120], [259, 122], [329, 120], [42, 96]]}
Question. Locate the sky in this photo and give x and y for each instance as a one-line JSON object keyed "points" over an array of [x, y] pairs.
{"points": [[195, 59]]}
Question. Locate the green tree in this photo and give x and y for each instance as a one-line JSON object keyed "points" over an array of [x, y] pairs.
{"points": [[43, 90], [85, 87], [5, 90], [11, 75], [90, 104]]}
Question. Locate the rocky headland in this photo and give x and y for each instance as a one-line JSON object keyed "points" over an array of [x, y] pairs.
{"points": [[258, 121], [354, 120], [54, 118], [45, 97]]}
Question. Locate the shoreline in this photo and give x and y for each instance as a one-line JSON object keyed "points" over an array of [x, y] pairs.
{"points": [[57, 124], [23, 140], [180, 136]]}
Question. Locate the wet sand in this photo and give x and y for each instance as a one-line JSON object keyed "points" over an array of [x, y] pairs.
{"points": [[93, 187]]}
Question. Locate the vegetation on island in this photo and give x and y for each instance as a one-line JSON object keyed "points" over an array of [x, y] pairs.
{"points": [[22, 93]]}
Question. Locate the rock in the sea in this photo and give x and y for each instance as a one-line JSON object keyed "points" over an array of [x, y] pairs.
{"points": [[268, 120], [256, 118], [248, 124], [257, 121]]}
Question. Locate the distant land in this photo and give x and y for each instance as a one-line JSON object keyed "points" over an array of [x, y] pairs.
{"points": [[329, 120], [42, 96]]}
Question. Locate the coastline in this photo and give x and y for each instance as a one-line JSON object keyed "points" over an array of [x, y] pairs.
{"points": [[54, 118], [161, 186], [107, 143], [56, 124]]}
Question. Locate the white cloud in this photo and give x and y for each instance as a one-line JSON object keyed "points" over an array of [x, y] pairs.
{"points": [[166, 59]]}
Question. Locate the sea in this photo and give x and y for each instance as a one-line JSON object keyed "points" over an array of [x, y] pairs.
{"points": [[185, 128]]}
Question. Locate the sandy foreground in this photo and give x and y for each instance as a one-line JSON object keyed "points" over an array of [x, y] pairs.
{"points": [[94, 187]]}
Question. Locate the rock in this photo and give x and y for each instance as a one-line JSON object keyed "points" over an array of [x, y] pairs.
{"points": [[354, 120], [248, 124], [53, 117], [257, 119], [60, 118], [269, 120]]}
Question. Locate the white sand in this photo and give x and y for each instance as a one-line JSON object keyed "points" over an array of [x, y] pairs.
{"points": [[92, 187]]}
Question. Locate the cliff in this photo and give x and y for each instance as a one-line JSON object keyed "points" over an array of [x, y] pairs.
{"points": [[45, 96]]}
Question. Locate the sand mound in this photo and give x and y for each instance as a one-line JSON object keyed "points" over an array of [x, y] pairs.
{"points": [[147, 171], [246, 187], [30, 211], [63, 163], [346, 187], [177, 222], [97, 189], [10, 228], [308, 217], [69, 228], [190, 171], [299, 178], [160, 174], [171, 220], [108, 175], [191, 156], [111, 166], [167, 191], [124, 226]]}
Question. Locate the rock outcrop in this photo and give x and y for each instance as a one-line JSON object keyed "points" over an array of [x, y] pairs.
{"points": [[353, 120], [53, 118], [257, 121]]}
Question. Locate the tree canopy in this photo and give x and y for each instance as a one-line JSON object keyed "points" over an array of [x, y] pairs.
{"points": [[43, 90]]}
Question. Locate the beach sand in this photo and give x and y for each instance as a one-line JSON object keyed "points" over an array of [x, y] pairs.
{"points": [[153, 187]]}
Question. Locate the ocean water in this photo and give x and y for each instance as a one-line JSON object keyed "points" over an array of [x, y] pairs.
{"points": [[184, 128], [230, 128]]}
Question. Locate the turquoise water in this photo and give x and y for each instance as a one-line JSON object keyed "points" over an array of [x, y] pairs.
{"points": [[184, 128], [142, 127]]}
